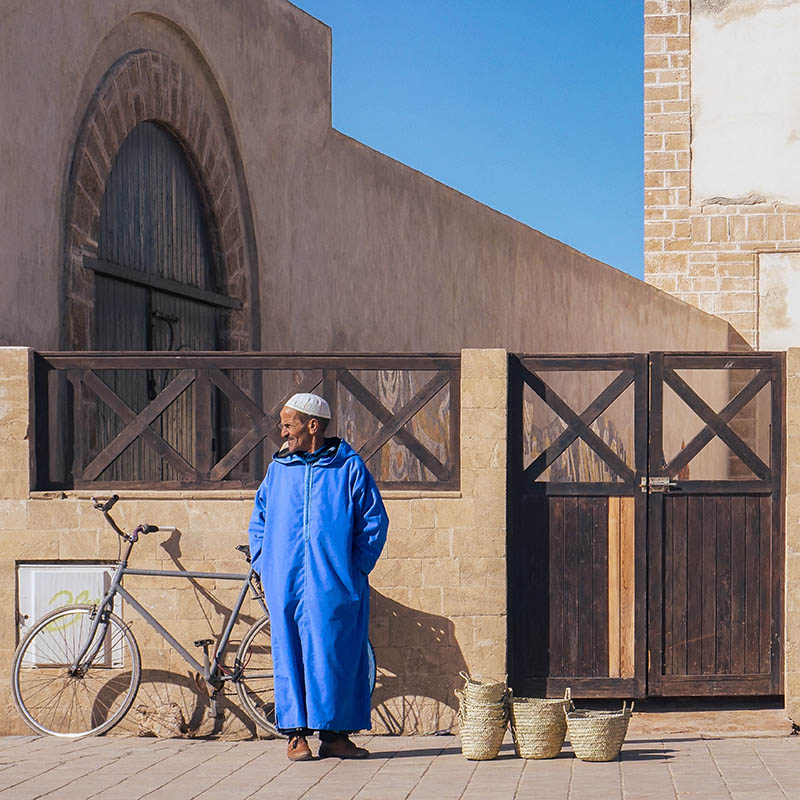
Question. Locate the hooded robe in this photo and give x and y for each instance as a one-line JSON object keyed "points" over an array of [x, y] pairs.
{"points": [[317, 529]]}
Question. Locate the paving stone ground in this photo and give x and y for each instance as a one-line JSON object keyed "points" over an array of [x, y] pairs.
{"points": [[400, 768]]}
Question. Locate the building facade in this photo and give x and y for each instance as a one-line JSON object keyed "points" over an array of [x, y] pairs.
{"points": [[171, 182]]}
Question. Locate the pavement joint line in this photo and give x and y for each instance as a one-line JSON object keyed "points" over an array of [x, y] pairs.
{"points": [[716, 765], [4, 789], [106, 762], [260, 755], [386, 761], [424, 773], [276, 775], [170, 753], [571, 778], [519, 778], [62, 786], [97, 771], [337, 763], [179, 775], [226, 777]]}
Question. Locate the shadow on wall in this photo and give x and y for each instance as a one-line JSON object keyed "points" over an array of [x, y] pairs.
{"points": [[418, 665]]}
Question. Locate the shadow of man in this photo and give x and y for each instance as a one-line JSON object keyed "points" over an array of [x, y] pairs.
{"points": [[418, 661]]}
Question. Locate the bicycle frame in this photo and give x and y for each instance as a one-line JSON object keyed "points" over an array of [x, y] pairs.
{"points": [[209, 671]]}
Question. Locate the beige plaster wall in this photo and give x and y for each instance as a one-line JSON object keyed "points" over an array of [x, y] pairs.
{"points": [[439, 592], [399, 261]]}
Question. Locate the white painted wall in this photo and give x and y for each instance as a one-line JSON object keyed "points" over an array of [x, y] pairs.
{"points": [[778, 301], [746, 99]]}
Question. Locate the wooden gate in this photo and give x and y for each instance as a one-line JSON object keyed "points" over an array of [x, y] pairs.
{"points": [[715, 522], [631, 573], [576, 547]]}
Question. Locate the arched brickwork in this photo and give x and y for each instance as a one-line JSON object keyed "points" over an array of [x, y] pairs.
{"points": [[148, 85]]}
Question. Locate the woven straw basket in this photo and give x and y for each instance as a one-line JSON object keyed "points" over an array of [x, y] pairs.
{"points": [[480, 741], [482, 718], [482, 712], [483, 691], [598, 735], [539, 725]]}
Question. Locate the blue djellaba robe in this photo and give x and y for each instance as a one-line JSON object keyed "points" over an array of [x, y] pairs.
{"points": [[317, 529]]}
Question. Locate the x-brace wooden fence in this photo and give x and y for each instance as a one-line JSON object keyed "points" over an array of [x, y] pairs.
{"points": [[228, 407]]}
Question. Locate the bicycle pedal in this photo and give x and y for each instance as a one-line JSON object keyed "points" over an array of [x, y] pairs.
{"points": [[203, 642]]}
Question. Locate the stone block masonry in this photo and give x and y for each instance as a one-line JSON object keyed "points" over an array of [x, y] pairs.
{"points": [[439, 590], [704, 250], [792, 532]]}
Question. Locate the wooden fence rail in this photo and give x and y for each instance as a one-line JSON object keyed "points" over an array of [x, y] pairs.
{"points": [[208, 420]]}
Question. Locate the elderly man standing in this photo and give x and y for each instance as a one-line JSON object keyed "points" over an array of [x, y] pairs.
{"points": [[317, 529]]}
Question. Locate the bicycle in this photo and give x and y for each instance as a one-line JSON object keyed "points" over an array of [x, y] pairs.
{"points": [[77, 671]]}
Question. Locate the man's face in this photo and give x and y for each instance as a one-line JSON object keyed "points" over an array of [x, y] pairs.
{"points": [[298, 434]]}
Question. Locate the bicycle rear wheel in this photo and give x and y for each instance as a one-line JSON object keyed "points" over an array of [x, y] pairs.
{"points": [[256, 676], [97, 697]]}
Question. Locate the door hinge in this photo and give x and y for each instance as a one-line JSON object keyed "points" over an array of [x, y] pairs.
{"points": [[656, 484]]}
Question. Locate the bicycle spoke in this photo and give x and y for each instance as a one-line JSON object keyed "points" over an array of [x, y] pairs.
{"points": [[92, 700]]}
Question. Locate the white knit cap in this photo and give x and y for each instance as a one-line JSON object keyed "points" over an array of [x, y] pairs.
{"points": [[311, 404]]}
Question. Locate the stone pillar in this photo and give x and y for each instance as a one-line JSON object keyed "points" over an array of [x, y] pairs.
{"points": [[792, 548], [15, 424]]}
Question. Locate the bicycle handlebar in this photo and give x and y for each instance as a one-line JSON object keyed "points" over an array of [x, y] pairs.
{"points": [[108, 505], [128, 537]]}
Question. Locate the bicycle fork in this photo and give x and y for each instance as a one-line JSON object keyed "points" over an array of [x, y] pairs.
{"points": [[91, 647], [99, 616]]}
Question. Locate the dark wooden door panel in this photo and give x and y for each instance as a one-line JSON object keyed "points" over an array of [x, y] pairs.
{"points": [[575, 616], [715, 546], [561, 574]]}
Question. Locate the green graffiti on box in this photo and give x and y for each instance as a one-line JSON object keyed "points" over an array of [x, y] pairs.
{"points": [[64, 597]]}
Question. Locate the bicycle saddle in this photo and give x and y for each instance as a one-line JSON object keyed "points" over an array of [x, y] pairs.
{"points": [[244, 549]]}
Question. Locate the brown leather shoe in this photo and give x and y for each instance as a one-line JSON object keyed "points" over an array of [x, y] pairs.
{"points": [[298, 749], [342, 747]]}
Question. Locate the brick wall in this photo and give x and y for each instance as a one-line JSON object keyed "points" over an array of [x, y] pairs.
{"points": [[703, 250], [438, 601]]}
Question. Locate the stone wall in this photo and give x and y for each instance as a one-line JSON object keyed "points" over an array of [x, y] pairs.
{"points": [[700, 244], [439, 596], [792, 532]]}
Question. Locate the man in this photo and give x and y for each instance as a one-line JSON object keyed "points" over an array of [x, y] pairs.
{"points": [[317, 529]]}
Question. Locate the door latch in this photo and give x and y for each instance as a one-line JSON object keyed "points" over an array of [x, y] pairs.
{"points": [[656, 484]]}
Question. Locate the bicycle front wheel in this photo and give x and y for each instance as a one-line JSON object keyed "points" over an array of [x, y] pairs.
{"points": [[255, 682], [97, 696]]}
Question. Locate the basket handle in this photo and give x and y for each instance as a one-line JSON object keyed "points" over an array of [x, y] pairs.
{"points": [[625, 710], [464, 675], [568, 694]]}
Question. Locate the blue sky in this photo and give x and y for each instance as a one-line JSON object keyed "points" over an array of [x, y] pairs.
{"points": [[533, 107]]}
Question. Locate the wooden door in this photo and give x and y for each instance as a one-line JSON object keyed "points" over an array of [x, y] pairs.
{"points": [[715, 525], [576, 548], [154, 290]]}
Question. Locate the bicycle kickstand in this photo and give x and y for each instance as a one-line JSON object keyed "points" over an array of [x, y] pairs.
{"points": [[213, 711]]}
